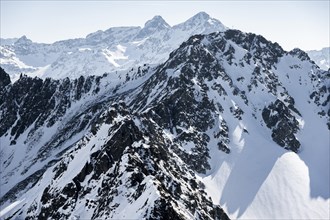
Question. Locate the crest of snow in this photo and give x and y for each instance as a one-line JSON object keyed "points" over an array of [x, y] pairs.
{"points": [[140, 42], [84, 49], [10, 207]]}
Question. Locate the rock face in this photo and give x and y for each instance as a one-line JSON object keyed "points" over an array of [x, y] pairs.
{"points": [[139, 144], [284, 125], [5, 79]]}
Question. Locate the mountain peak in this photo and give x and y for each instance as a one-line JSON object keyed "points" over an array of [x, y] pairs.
{"points": [[201, 16], [202, 21], [154, 25], [299, 53], [23, 40], [157, 22]]}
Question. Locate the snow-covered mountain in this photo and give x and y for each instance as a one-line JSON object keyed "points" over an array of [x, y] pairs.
{"points": [[229, 125], [7, 41], [118, 48], [321, 57]]}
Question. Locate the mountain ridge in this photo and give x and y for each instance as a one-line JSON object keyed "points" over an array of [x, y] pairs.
{"points": [[116, 48], [137, 47], [321, 57]]}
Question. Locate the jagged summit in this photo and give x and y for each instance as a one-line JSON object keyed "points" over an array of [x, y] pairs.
{"points": [[158, 22], [202, 21], [201, 16], [299, 53], [23, 40], [152, 26]]}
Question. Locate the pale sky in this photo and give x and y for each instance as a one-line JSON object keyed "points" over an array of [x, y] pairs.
{"points": [[303, 24]]}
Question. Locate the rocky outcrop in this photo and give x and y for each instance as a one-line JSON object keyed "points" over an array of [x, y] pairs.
{"points": [[283, 124]]}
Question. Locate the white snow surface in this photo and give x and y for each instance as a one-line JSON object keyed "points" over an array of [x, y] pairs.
{"points": [[321, 57], [259, 180]]}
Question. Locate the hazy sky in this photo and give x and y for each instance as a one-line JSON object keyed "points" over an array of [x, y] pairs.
{"points": [[303, 24]]}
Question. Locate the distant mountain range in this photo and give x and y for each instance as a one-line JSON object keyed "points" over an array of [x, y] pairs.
{"points": [[321, 57], [118, 48], [115, 49], [7, 41]]}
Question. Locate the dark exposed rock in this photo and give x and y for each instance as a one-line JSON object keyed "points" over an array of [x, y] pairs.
{"points": [[163, 209], [223, 136], [302, 55], [258, 44], [4, 79], [284, 125], [34, 101]]}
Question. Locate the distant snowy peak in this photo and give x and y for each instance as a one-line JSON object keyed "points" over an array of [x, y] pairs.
{"points": [[152, 26], [157, 22], [321, 57], [202, 20], [23, 41], [199, 17]]}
